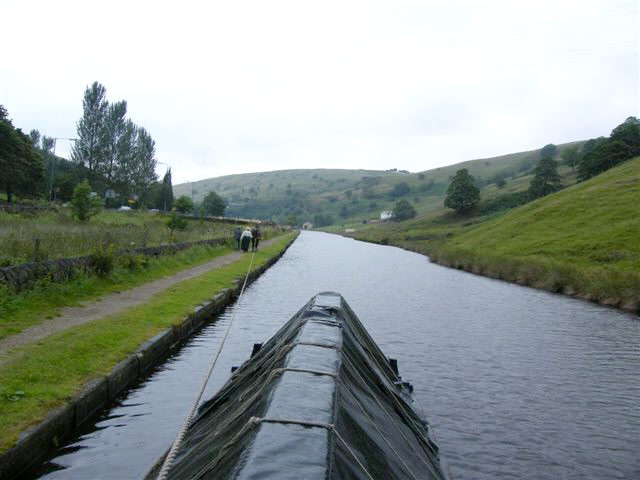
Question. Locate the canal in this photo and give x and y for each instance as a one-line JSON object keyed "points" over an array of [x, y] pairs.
{"points": [[515, 382]]}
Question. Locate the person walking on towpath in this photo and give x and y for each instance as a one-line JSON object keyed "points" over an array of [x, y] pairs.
{"points": [[236, 234], [245, 239], [256, 235]]}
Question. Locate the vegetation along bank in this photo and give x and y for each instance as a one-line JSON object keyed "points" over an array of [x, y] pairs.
{"points": [[582, 241]]}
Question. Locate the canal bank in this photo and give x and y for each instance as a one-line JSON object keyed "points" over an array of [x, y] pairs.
{"points": [[515, 382], [604, 287], [65, 416]]}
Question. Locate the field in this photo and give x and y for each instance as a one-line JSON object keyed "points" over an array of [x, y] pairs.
{"points": [[583, 240], [60, 236]]}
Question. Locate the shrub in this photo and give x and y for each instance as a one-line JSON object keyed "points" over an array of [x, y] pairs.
{"points": [[101, 262], [132, 261], [177, 222], [83, 204]]}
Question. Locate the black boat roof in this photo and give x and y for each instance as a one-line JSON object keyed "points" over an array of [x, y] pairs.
{"points": [[319, 400]]}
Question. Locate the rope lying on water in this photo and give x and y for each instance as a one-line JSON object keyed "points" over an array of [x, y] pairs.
{"points": [[168, 461]]}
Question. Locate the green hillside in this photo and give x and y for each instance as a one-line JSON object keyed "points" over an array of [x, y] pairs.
{"points": [[593, 223], [357, 195], [583, 240]]}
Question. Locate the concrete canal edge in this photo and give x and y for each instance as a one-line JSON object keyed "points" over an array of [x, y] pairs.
{"points": [[36, 443]]}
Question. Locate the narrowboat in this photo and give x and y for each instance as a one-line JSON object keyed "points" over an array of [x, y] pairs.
{"points": [[319, 400]]}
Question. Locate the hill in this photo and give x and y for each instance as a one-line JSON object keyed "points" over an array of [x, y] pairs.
{"points": [[332, 196], [583, 240]]}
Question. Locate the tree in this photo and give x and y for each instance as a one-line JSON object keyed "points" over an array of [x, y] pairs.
{"points": [[344, 211], [291, 220], [400, 190], [403, 211], [20, 163], [83, 204], [144, 154], [34, 135], [546, 179], [183, 204], [114, 131], [166, 194], [462, 194], [213, 204], [89, 148], [549, 150], [126, 163], [570, 156], [604, 153], [628, 132]]}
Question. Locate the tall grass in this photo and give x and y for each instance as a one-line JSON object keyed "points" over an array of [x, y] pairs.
{"points": [[60, 236]]}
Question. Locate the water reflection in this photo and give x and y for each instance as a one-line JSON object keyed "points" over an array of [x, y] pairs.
{"points": [[516, 382]]}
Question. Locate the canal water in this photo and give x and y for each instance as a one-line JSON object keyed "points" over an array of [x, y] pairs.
{"points": [[515, 382]]}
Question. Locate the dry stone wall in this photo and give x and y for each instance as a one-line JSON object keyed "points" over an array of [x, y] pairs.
{"points": [[20, 276]]}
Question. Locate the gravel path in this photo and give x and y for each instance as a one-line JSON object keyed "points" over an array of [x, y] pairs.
{"points": [[110, 304]]}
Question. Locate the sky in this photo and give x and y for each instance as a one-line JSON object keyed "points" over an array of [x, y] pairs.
{"points": [[246, 86]]}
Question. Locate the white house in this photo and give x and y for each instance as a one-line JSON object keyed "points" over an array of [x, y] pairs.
{"points": [[386, 215], [307, 226]]}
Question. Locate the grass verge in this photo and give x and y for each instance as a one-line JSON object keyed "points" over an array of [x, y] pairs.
{"points": [[40, 377]]}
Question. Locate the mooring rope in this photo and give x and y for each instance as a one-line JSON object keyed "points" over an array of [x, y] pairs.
{"points": [[168, 461]]}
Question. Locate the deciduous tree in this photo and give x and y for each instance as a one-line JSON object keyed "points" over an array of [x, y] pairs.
{"points": [[462, 194], [21, 165], [183, 204], [144, 171], [546, 179], [213, 204], [90, 148], [403, 211]]}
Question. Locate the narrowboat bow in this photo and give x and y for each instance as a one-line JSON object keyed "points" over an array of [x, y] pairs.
{"points": [[319, 400]]}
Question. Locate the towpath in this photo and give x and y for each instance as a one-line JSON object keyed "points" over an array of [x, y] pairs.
{"points": [[111, 304]]}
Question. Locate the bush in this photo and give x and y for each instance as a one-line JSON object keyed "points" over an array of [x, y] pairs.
{"points": [[132, 261], [177, 222], [101, 262], [183, 204], [83, 204]]}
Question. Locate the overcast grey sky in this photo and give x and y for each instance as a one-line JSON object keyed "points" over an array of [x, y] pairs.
{"points": [[243, 86]]}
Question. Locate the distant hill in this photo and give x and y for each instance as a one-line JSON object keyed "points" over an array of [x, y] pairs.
{"points": [[334, 196]]}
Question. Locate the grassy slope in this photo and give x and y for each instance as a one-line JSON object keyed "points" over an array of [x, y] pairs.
{"points": [[40, 377], [583, 240], [594, 223], [266, 194]]}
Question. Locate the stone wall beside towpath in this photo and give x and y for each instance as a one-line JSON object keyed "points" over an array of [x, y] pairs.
{"points": [[20, 276]]}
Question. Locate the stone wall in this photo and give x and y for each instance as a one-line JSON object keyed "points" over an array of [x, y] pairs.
{"points": [[20, 276]]}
